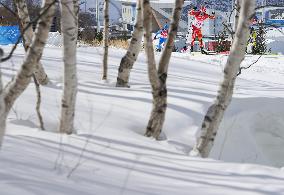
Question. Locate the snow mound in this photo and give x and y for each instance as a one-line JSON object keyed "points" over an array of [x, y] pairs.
{"points": [[253, 133]]}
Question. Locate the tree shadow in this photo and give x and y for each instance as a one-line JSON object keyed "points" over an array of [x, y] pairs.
{"points": [[150, 170]]}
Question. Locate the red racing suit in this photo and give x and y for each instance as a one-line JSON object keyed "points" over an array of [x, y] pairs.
{"points": [[199, 17]]}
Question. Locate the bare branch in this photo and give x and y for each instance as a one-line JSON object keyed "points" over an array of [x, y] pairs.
{"points": [[24, 30], [228, 29], [10, 10], [247, 67], [37, 87]]}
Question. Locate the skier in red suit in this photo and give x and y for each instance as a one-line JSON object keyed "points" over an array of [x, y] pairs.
{"points": [[199, 17]]}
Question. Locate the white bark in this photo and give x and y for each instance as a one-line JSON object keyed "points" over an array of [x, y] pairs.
{"points": [[2, 107], [23, 14], [2, 113], [237, 13], [216, 111], [106, 32], [39, 77], [69, 30], [134, 48], [76, 11], [20, 82], [158, 78], [147, 18]]}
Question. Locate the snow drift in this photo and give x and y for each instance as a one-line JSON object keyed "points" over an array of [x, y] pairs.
{"points": [[253, 132]]}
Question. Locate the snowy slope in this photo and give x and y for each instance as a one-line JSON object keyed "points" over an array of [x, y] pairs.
{"points": [[275, 40], [110, 155]]}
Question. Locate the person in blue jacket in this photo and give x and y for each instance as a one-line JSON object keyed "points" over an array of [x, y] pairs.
{"points": [[162, 35]]}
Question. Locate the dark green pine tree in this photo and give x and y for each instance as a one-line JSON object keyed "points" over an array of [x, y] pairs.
{"points": [[260, 43], [221, 42]]}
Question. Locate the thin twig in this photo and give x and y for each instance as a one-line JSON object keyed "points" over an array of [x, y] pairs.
{"points": [[10, 10], [228, 29], [247, 67], [37, 87], [24, 30]]}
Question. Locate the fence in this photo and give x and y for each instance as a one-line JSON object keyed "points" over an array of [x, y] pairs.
{"points": [[9, 34]]}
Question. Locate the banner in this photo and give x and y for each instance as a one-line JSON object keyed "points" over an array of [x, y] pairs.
{"points": [[9, 34], [275, 22]]}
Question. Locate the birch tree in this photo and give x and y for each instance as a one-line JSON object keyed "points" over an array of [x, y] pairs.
{"points": [[23, 77], [237, 14], [38, 103], [106, 37], [158, 77], [2, 113], [39, 76], [216, 111], [69, 25], [2, 106], [24, 17], [134, 48]]}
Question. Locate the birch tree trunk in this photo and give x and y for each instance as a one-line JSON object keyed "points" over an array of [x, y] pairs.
{"points": [[2, 113], [20, 82], [69, 25], [76, 12], [158, 78], [39, 76], [134, 48], [216, 111], [23, 14], [237, 15], [38, 103], [2, 107], [106, 35], [152, 71]]}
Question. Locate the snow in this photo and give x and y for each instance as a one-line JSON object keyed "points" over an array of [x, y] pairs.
{"points": [[110, 155], [275, 40], [275, 32]]}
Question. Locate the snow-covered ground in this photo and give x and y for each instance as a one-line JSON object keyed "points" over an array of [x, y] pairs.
{"points": [[109, 155]]}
